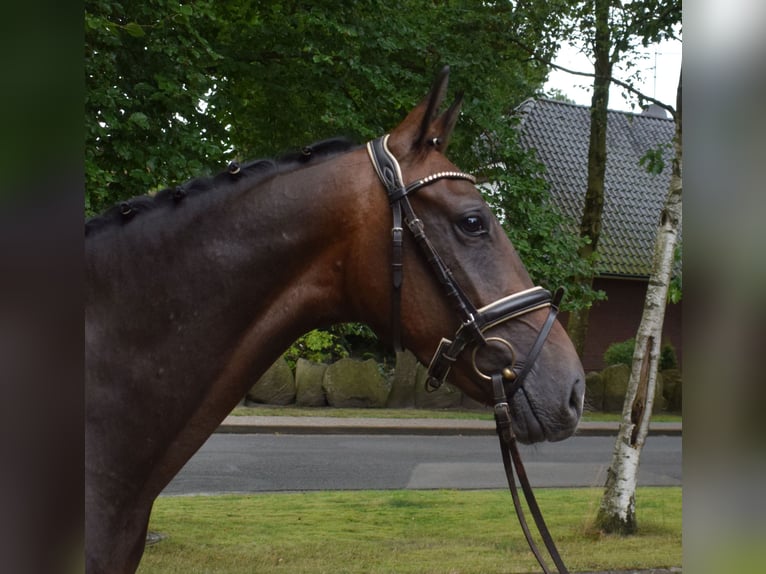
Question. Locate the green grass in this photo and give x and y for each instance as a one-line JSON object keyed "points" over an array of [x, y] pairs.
{"points": [[360, 413], [407, 532], [411, 413], [617, 417]]}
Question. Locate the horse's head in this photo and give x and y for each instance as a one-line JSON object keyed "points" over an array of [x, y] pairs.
{"points": [[464, 284]]}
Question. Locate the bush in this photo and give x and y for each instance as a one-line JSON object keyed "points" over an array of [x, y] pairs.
{"points": [[337, 342], [317, 346], [668, 358], [622, 353]]}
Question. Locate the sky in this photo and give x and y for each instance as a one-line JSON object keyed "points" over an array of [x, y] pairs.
{"points": [[659, 67]]}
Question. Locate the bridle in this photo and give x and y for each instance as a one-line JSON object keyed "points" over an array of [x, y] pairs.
{"points": [[474, 323]]}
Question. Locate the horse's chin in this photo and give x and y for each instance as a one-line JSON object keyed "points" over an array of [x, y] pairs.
{"points": [[531, 425]]}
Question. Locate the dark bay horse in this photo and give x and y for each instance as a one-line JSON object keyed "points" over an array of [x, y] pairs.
{"points": [[192, 294]]}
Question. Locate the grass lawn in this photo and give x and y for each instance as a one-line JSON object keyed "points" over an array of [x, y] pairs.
{"points": [[410, 413], [417, 532]]}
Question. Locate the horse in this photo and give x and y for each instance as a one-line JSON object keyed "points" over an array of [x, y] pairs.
{"points": [[191, 294]]}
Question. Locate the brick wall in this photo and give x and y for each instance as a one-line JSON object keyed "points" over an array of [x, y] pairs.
{"points": [[617, 319]]}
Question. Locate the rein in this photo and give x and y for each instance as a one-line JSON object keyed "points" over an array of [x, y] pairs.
{"points": [[473, 325]]}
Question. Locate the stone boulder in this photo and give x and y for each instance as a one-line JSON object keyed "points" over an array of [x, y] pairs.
{"points": [[275, 387], [402, 395], [408, 388], [594, 391], [308, 384], [352, 383], [660, 404], [615, 380], [447, 396], [474, 405], [672, 389]]}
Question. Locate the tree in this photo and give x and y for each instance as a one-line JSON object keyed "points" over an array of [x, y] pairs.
{"points": [[611, 30], [650, 21], [519, 194], [177, 90], [617, 511], [647, 21], [146, 72], [605, 55]]}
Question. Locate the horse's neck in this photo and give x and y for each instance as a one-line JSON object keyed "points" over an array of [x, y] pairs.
{"points": [[185, 310], [230, 288]]}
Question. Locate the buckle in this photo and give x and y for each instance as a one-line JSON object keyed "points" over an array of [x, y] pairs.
{"points": [[440, 365], [503, 421], [502, 412]]}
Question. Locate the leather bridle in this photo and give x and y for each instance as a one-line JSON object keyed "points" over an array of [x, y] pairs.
{"points": [[474, 323]]}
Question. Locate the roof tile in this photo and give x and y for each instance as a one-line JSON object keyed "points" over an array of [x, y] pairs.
{"points": [[559, 132]]}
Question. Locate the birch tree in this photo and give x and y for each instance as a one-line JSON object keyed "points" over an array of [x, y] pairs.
{"points": [[651, 21], [617, 512]]}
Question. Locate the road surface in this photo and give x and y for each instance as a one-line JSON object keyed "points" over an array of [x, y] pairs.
{"points": [[233, 463]]}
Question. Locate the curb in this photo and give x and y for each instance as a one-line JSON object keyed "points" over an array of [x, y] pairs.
{"points": [[371, 426]]}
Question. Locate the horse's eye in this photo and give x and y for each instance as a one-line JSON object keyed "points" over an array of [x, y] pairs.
{"points": [[473, 225]]}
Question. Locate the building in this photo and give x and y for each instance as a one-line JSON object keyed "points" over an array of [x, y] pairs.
{"points": [[633, 199]]}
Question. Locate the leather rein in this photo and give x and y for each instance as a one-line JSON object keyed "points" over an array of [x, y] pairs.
{"points": [[471, 333]]}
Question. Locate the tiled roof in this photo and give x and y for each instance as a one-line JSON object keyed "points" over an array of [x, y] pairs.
{"points": [[633, 198]]}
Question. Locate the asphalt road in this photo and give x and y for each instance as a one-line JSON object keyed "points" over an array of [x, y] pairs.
{"points": [[229, 463]]}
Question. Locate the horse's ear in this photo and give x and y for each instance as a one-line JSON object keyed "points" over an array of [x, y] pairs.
{"points": [[422, 129], [444, 125], [435, 98]]}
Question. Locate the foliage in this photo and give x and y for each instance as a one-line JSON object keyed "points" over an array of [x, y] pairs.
{"points": [[668, 358], [622, 353], [675, 289], [640, 22], [337, 342], [146, 72], [542, 236], [173, 88], [654, 20], [653, 161], [318, 346]]}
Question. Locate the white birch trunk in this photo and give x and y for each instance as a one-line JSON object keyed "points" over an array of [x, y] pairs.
{"points": [[617, 512]]}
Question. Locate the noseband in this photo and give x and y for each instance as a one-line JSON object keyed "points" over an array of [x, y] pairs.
{"points": [[473, 325]]}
